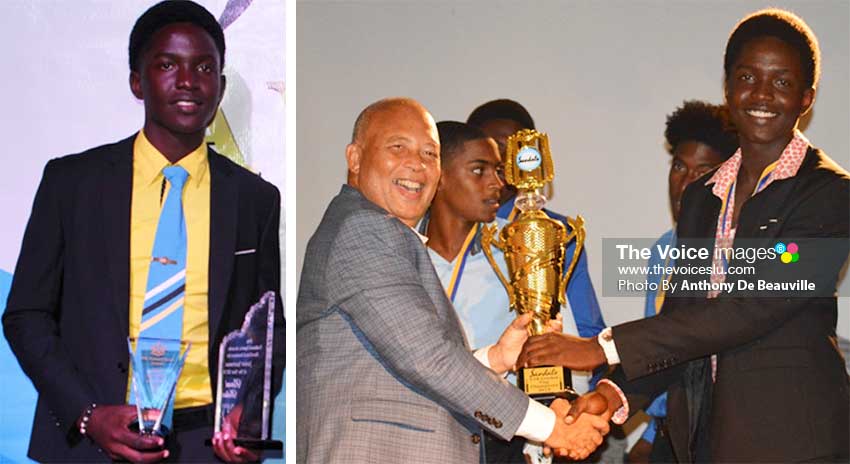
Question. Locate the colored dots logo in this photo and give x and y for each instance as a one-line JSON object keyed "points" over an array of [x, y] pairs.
{"points": [[789, 253]]}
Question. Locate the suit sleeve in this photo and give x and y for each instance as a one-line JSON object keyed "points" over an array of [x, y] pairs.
{"points": [[696, 327], [30, 321], [372, 278]]}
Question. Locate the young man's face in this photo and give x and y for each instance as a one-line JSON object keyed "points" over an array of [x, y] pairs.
{"points": [[500, 130], [471, 181], [766, 92], [691, 160], [180, 81], [396, 165]]}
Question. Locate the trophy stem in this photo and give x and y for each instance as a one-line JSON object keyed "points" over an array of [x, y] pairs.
{"points": [[536, 327], [530, 200]]}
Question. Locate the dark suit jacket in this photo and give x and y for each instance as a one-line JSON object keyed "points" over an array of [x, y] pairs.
{"points": [[781, 392], [67, 314]]}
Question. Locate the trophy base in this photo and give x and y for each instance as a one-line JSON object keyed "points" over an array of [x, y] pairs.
{"points": [[546, 383], [148, 429], [547, 398], [253, 444]]}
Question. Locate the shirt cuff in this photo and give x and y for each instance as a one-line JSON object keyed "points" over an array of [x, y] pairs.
{"points": [[606, 341], [538, 424], [622, 414], [483, 356]]}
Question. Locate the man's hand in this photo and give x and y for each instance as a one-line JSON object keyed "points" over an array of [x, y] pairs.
{"points": [[108, 428], [603, 400], [579, 439], [223, 445], [555, 325], [502, 355], [557, 349]]}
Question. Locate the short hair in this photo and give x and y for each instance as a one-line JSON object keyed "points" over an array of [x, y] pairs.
{"points": [[170, 12], [453, 135], [780, 24], [501, 109], [698, 121]]}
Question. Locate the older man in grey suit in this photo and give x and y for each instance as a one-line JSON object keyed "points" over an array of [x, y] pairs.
{"points": [[384, 371]]}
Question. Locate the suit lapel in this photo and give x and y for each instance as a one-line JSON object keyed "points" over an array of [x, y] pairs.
{"points": [[223, 224], [117, 187], [772, 204], [700, 218]]}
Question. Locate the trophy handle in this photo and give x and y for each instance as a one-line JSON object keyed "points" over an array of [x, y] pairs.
{"points": [[488, 237], [578, 232]]}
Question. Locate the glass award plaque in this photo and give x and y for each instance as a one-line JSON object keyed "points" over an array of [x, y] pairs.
{"points": [[156, 364], [243, 399]]}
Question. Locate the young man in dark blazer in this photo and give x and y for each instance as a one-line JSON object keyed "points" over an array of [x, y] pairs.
{"points": [[81, 277], [752, 375]]}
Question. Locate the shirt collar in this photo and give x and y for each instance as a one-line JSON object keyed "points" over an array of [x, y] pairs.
{"points": [[149, 161], [786, 166], [423, 238]]}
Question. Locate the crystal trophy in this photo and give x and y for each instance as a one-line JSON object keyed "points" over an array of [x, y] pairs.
{"points": [[243, 400], [156, 364]]}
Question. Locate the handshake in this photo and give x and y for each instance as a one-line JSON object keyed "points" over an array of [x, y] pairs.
{"points": [[579, 427], [578, 431]]}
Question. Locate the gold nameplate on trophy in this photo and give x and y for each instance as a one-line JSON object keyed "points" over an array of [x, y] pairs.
{"points": [[543, 380], [534, 247]]}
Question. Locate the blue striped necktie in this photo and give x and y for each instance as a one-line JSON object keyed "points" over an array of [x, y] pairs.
{"points": [[162, 310], [162, 313]]}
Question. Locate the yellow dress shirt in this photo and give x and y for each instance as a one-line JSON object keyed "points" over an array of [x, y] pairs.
{"points": [[194, 385]]}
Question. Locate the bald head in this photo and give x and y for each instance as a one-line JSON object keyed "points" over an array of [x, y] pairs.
{"points": [[394, 157], [364, 119]]}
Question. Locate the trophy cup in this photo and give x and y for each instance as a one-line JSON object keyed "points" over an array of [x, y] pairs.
{"points": [[534, 246], [156, 364], [243, 402]]}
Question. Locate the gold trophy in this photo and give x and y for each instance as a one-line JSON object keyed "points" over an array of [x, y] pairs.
{"points": [[534, 246]]}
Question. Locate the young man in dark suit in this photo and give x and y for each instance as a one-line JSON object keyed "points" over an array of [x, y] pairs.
{"points": [[83, 279], [751, 375]]}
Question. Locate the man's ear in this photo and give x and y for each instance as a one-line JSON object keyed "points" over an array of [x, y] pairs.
{"points": [[353, 154], [440, 183], [808, 100], [136, 85]]}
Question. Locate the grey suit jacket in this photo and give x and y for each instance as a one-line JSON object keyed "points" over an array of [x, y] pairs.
{"points": [[384, 372]]}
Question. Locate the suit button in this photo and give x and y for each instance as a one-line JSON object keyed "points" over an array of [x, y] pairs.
{"points": [[497, 424], [476, 438], [58, 424]]}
